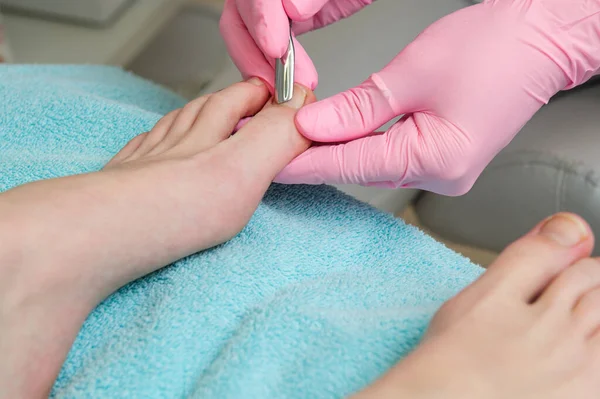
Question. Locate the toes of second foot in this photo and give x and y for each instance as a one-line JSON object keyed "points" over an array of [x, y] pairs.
{"points": [[570, 285], [527, 266], [585, 298]]}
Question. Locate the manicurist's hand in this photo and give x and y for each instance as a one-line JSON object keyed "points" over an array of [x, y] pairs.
{"points": [[257, 32], [465, 86]]}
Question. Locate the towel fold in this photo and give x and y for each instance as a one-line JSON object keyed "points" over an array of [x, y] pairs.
{"points": [[315, 298]]}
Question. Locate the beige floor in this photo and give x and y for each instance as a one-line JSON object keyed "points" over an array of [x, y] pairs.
{"points": [[477, 255]]}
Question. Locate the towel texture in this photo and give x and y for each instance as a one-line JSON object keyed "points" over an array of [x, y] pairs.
{"points": [[316, 298]]}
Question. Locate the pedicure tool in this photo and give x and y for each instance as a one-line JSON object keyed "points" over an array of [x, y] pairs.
{"points": [[284, 73]]}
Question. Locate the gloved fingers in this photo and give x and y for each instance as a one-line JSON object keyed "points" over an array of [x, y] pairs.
{"points": [[244, 52], [250, 60], [316, 14], [335, 10], [302, 10], [267, 23], [348, 115], [419, 151], [361, 161]]}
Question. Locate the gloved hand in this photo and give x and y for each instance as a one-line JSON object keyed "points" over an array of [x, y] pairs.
{"points": [[466, 86], [256, 32]]}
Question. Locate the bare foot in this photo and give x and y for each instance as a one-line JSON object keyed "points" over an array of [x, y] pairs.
{"points": [[182, 187], [528, 328]]}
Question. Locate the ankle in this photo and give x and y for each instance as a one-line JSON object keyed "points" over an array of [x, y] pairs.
{"points": [[37, 329], [39, 319], [12, 270]]}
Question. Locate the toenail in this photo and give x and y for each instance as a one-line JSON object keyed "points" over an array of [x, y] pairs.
{"points": [[564, 229], [298, 99]]}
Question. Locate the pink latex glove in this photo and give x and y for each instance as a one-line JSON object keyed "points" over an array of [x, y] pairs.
{"points": [[256, 32], [466, 86]]}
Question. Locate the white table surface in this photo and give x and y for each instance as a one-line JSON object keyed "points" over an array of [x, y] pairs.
{"points": [[34, 40]]}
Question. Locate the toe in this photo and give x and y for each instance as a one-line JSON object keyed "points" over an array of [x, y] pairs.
{"points": [[154, 136], [528, 265], [126, 151], [587, 311], [570, 288]]}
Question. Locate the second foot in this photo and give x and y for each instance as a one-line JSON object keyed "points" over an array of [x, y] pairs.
{"points": [[527, 329]]}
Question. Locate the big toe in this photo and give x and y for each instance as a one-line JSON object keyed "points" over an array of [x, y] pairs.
{"points": [[527, 266]]}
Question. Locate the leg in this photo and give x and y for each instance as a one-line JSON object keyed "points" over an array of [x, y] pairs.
{"points": [[528, 328], [182, 187]]}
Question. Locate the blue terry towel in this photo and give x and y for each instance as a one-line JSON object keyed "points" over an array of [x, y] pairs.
{"points": [[316, 298]]}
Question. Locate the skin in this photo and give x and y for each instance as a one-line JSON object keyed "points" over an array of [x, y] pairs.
{"points": [[48, 287], [528, 328]]}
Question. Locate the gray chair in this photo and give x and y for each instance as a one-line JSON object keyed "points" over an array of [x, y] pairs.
{"points": [[548, 168]]}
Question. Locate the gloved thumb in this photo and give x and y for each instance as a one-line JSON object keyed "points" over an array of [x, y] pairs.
{"points": [[359, 111]]}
